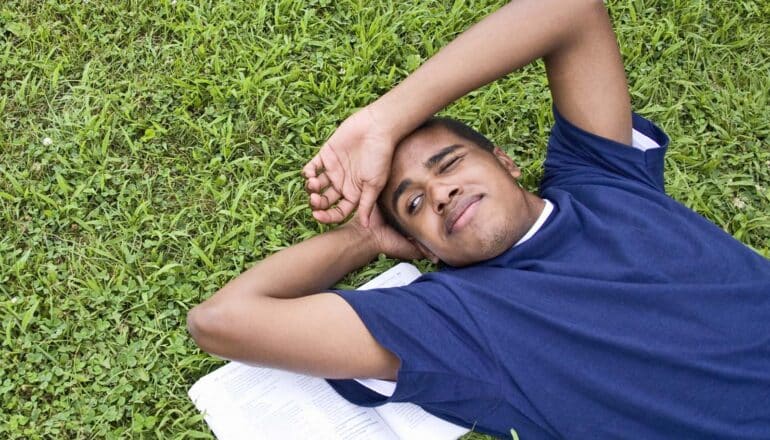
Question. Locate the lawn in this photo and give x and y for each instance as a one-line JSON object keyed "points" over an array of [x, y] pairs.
{"points": [[150, 151]]}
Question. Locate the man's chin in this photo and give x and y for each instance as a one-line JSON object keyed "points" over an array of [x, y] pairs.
{"points": [[488, 247], [468, 260]]}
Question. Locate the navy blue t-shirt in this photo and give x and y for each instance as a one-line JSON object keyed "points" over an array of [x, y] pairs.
{"points": [[627, 315]]}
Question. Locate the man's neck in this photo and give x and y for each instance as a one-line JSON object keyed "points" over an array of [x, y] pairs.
{"points": [[533, 207]]}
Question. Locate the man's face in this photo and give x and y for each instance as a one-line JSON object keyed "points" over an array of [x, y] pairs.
{"points": [[458, 202]]}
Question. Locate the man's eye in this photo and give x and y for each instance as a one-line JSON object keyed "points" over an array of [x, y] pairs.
{"points": [[449, 164], [414, 204]]}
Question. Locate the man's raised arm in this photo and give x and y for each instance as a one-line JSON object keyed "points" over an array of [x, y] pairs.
{"points": [[585, 72], [273, 315]]}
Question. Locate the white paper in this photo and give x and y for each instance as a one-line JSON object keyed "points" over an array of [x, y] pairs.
{"points": [[245, 402], [399, 275], [410, 422]]}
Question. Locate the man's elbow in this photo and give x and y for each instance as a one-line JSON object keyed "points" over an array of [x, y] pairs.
{"points": [[594, 7], [582, 10], [590, 3], [204, 325]]}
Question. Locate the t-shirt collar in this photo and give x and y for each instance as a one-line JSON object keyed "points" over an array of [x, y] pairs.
{"points": [[544, 214]]}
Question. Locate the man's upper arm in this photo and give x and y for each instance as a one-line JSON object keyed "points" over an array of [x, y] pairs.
{"points": [[587, 80], [318, 334]]}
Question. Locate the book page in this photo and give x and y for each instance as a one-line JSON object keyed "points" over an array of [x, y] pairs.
{"points": [[410, 422], [245, 402], [399, 275]]}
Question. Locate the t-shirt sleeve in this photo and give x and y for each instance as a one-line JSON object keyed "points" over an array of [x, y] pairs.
{"points": [[446, 365], [577, 157]]}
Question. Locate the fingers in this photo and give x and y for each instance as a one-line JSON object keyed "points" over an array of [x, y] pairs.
{"points": [[325, 210], [322, 201], [324, 182], [366, 205], [322, 194], [317, 184], [336, 213], [332, 167], [313, 168]]}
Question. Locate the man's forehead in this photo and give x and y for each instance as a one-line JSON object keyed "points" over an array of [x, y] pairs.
{"points": [[417, 148]]}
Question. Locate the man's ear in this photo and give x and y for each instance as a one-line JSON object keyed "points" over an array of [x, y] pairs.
{"points": [[507, 162], [424, 251]]}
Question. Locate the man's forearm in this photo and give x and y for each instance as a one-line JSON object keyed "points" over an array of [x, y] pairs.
{"points": [[276, 314], [512, 37], [305, 268]]}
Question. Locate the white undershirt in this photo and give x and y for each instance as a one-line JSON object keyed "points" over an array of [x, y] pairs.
{"points": [[382, 387], [544, 214], [641, 141], [638, 140]]}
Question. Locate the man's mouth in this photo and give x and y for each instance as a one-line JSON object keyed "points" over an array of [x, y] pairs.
{"points": [[461, 214]]}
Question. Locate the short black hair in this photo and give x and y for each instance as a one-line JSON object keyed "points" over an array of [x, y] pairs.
{"points": [[461, 129], [454, 126]]}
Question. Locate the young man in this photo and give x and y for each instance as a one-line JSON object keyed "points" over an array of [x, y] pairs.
{"points": [[599, 309]]}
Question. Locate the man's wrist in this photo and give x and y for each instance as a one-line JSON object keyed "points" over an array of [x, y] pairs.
{"points": [[407, 105], [394, 115], [363, 239]]}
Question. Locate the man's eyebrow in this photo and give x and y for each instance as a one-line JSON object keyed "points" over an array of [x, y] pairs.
{"points": [[400, 190], [436, 158]]}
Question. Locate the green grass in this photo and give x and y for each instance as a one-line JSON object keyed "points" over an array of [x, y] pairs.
{"points": [[178, 131]]}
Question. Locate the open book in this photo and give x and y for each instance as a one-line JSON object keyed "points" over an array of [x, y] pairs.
{"points": [[244, 402]]}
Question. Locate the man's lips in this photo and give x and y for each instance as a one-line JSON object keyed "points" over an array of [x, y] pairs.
{"points": [[461, 213]]}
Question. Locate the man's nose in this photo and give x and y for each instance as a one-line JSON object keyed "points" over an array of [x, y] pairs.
{"points": [[442, 195]]}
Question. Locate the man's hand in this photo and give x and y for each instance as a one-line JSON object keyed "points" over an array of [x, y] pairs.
{"points": [[386, 239], [350, 169]]}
